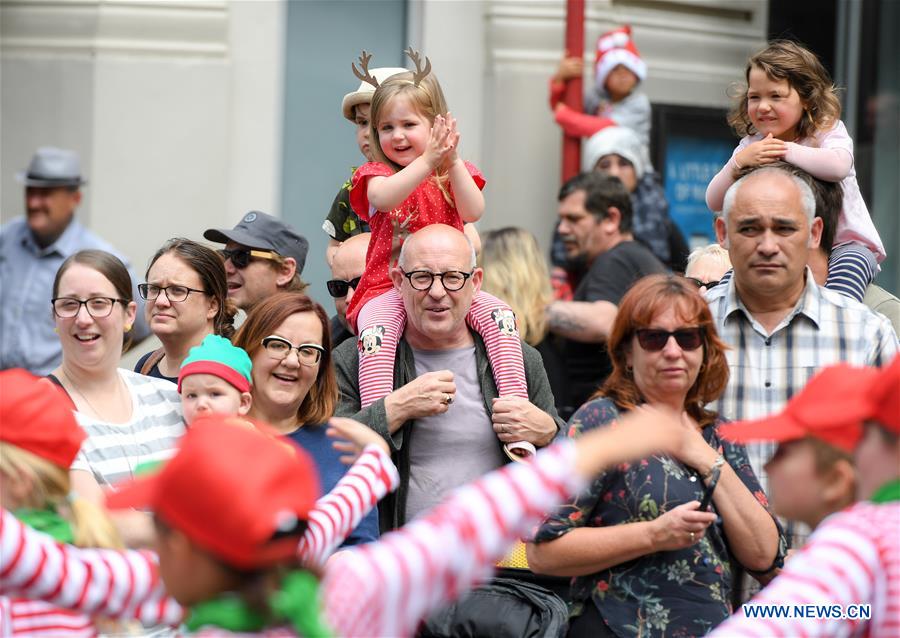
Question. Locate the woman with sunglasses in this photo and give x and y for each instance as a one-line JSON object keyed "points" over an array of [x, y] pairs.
{"points": [[187, 299], [129, 419], [645, 556], [294, 387]]}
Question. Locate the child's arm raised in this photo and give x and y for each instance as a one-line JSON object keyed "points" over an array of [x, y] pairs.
{"points": [[467, 196], [828, 164], [387, 193]]}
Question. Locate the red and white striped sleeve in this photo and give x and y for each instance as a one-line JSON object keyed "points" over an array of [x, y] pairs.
{"points": [[336, 514], [112, 583], [851, 559], [385, 588]]}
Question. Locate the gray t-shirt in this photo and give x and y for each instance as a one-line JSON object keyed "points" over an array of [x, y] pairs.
{"points": [[456, 447]]}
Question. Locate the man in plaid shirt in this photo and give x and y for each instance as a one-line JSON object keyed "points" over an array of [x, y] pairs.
{"points": [[781, 326]]}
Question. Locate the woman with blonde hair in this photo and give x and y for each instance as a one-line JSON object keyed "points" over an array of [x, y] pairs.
{"points": [[515, 271]]}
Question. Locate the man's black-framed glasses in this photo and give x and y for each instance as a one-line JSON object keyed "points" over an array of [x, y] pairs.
{"points": [[338, 288], [451, 280], [173, 293], [240, 257], [97, 307]]}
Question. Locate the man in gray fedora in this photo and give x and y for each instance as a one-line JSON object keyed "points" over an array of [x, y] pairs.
{"points": [[32, 248]]}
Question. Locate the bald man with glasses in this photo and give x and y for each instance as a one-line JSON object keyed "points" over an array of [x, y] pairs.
{"points": [[444, 420]]}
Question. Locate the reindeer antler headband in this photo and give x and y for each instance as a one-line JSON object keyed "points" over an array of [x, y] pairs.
{"points": [[418, 75]]}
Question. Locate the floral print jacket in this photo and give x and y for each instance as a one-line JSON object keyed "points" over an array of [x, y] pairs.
{"points": [[683, 592]]}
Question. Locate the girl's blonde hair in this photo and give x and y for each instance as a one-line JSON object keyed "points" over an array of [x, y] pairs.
{"points": [[515, 271], [426, 98], [787, 60], [91, 527]]}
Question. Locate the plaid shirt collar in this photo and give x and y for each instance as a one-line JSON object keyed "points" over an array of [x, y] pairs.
{"points": [[809, 304]]}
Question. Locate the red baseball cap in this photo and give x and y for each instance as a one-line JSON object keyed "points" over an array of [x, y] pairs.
{"points": [[36, 417], [831, 407], [885, 396], [232, 489]]}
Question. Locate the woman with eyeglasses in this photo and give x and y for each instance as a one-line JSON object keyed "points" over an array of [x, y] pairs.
{"points": [[187, 299], [129, 418], [294, 387], [649, 544]]}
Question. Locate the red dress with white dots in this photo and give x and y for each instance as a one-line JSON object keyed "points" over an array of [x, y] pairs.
{"points": [[426, 205], [376, 309]]}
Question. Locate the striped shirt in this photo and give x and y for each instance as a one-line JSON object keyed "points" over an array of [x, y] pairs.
{"points": [[112, 451], [852, 558], [335, 515], [767, 369], [383, 588]]}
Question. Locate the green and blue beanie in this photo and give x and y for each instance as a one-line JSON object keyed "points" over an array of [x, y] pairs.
{"points": [[216, 356]]}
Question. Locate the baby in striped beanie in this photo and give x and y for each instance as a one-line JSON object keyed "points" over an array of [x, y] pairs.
{"points": [[215, 379]]}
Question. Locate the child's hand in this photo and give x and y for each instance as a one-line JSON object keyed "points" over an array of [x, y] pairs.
{"points": [[438, 143], [569, 68], [765, 151], [452, 140], [352, 436]]}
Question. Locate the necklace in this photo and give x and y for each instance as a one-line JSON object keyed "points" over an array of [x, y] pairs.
{"points": [[119, 435], [82, 395]]}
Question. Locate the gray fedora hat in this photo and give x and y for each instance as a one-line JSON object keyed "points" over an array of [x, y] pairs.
{"points": [[51, 167], [264, 232]]}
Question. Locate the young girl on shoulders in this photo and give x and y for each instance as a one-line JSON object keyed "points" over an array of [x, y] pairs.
{"points": [[790, 112], [418, 179]]}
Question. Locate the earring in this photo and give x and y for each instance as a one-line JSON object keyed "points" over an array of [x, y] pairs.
{"points": [[128, 327], [56, 330]]}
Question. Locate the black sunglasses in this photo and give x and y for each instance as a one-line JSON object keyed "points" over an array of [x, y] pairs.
{"points": [[240, 257], [338, 288], [700, 283], [655, 340]]}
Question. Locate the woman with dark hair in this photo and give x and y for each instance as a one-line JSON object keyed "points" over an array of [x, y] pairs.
{"points": [[187, 299], [645, 555], [129, 418], [294, 387]]}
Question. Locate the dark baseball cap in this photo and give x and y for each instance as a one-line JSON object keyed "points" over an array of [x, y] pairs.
{"points": [[264, 232]]}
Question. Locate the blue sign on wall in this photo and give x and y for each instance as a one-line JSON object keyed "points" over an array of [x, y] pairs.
{"points": [[691, 163]]}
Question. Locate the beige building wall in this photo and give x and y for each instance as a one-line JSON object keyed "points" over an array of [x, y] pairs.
{"points": [[176, 106]]}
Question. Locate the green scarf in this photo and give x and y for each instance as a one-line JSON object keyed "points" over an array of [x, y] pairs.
{"points": [[295, 603], [47, 521], [888, 492]]}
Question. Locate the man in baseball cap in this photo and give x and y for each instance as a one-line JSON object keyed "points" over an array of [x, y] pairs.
{"points": [[33, 248], [263, 255]]}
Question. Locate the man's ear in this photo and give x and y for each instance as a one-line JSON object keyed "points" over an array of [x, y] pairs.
{"points": [[477, 277], [721, 232], [286, 271], [614, 217], [815, 232], [397, 277]]}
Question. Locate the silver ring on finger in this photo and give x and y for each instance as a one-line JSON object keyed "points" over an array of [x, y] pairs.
{"points": [[448, 398]]}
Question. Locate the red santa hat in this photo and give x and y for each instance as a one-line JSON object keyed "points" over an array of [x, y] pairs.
{"points": [[614, 48]]}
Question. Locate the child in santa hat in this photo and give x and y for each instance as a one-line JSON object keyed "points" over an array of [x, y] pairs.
{"points": [[616, 98]]}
